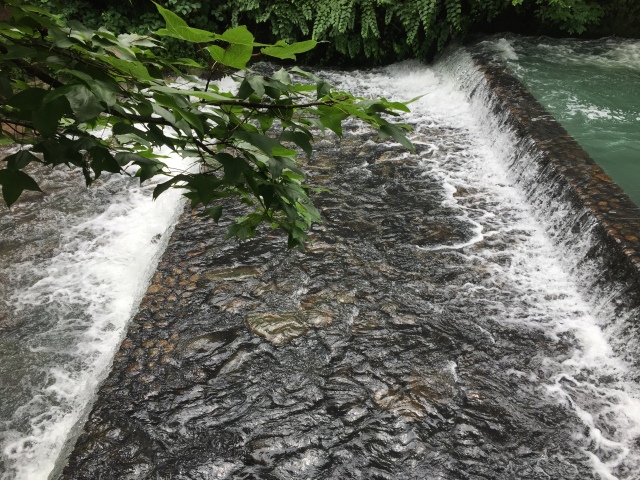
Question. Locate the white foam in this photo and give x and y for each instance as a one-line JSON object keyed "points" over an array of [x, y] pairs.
{"points": [[90, 289], [575, 106], [506, 48], [596, 382]]}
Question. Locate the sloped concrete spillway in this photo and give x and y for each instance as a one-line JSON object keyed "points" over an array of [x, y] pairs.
{"points": [[433, 329]]}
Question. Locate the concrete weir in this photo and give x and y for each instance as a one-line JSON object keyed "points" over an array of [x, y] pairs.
{"points": [[579, 204], [573, 178], [407, 342]]}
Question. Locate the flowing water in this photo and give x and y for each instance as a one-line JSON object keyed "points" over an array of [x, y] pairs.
{"points": [[592, 88], [74, 264], [435, 329]]}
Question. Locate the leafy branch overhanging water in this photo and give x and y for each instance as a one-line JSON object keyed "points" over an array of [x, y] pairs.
{"points": [[101, 103]]}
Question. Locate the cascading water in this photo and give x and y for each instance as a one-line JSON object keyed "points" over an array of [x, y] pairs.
{"points": [[74, 264], [571, 233], [435, 329], [573, 227]]}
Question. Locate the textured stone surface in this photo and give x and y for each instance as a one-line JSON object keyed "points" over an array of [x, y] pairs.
{"points": [[373, 355]]}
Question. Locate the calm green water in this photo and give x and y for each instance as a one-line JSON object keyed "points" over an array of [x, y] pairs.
{"points": [[592, 88]]}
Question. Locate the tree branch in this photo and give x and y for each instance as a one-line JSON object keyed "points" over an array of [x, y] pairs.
{"points": [[271, 106]]}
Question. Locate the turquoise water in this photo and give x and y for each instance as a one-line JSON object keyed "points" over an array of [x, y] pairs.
{"points": [[593, 88]]}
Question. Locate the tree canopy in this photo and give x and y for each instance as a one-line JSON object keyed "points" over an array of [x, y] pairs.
{"points": [[101, 102]]}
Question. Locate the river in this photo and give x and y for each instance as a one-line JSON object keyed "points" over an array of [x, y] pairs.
{"points": [[592, 88], [435, 328]]}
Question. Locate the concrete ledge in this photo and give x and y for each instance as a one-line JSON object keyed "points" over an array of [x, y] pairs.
{"points": [[574, 179]]}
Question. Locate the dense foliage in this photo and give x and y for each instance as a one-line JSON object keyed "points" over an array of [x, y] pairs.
{"points": [[369, 30], [98, 102]]}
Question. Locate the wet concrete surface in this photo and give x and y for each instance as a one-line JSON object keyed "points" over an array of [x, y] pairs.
{"points": [[373, 355]]}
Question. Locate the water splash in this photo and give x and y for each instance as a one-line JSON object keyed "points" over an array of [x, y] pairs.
{"points": [[599, 379]]}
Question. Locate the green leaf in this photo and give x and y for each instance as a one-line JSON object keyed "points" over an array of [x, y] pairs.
{"points": [[164, 186], [102, 160], [84, 103], [251, 181], [257, 84], [122, 53], [188, 62], [245, 90], [164, 113], [76, 73], [332, 117], [59, 151], [283, 50], [322, 89], [270, 146], [205, 186], [238, 35], [245, 227], [5, 87], [136, 70], [123, 128], [15, 52], [389, 130], [301, 139], [20, 160], [130, 39], [125, 158], [103, 32], [268, 194], [235, 56], [193, 119], [47, 118], [147, 171], [176, 103], [85, 142], [29, 99], [213, 212], [107, 44], [41, 11], [234, 167], [105, 92], [60, 39], [306, 74], [282, 76], [400, 106], [79, 28], [265, 121], [210, 96], [178, 28], [14, 182]]}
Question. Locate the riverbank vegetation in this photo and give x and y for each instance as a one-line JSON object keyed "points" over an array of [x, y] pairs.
{"points": [[365, 32]]}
